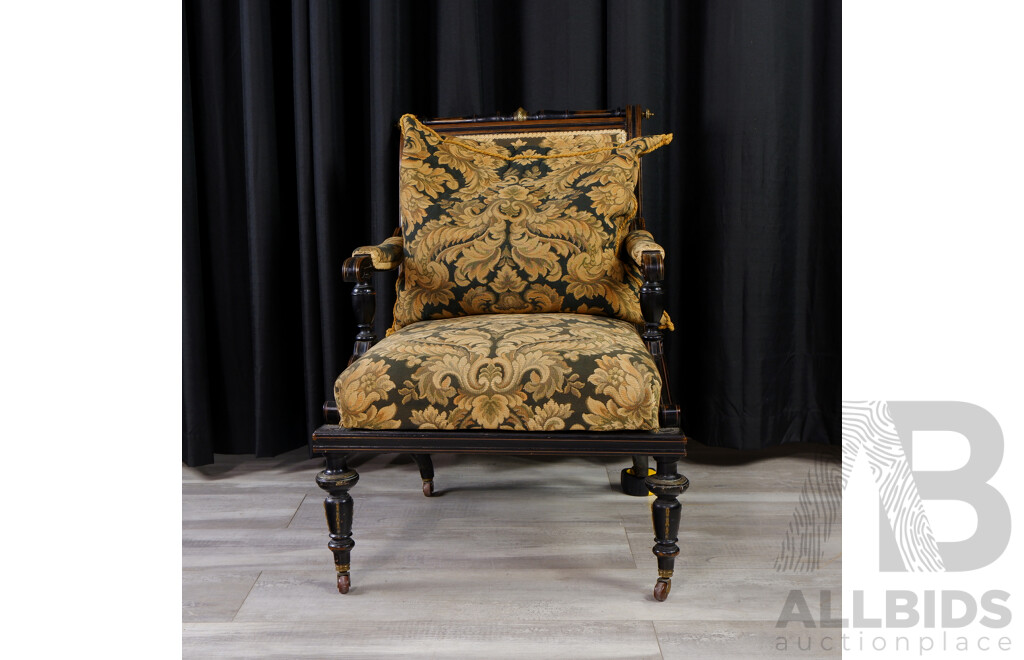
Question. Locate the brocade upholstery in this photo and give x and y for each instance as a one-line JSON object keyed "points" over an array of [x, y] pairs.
{"points": [[517, 224], [535, 372], [639, 241], [385, 256]]}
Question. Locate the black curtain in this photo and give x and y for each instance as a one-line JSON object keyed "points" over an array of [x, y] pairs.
{"points": [[290, 161]]}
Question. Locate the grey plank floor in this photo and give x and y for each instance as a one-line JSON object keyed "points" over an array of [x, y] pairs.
{"points": [[513, 557]]}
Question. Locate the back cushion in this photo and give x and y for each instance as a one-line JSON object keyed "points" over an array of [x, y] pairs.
{"points": [[516, 224]]}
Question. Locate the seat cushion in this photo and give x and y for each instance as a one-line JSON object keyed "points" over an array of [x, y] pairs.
{"points": [[532, 372], [531, 223]]}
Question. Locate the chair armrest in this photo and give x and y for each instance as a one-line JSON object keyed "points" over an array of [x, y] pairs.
{"points": [[645, 252], [650, 257], [639, 241], [386, 256]]}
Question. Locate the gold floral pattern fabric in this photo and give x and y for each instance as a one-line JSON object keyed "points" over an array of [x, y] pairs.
{"points": [[517, 224], [386, 256], [527, 372]]}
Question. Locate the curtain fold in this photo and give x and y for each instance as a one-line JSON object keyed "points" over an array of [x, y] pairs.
{"points": [[290, 161]]}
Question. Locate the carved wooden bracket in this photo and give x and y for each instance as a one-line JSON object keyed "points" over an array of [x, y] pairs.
{"points": [[652, 304], [359, 269]]}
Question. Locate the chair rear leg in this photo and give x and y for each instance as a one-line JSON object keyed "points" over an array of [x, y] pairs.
{"points": [[426, 467], [667, 484], [633, 480], [336, 479]]}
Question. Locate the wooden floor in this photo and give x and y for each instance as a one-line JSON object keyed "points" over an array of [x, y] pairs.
{"points": [[514, 557]]}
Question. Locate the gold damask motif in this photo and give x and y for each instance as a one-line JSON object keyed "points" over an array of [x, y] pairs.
{"points": [[534, 372], [517, 224], [365, 384]]}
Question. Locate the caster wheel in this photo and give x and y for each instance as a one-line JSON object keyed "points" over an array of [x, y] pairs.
{"points": [[344, 582], [633, 485], [428, 488], [661, 589]]}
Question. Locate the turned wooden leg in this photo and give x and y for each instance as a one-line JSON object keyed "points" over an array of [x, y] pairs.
{"points": [[426, 472], [336, 480], [667, 484]]}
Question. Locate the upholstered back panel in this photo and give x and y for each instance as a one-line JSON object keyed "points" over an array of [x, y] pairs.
{"points": [[530, 222]]}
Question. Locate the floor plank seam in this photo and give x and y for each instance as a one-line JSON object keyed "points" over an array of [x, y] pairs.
{"points": [[289, 524], [629, 547], [242, 604], [657, 640]]}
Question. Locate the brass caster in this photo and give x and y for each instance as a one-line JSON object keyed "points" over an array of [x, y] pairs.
{"points": [[661, 589], [344, 582], [428, 488]]}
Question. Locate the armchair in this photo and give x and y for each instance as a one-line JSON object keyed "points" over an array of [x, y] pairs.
{"points": [[528, 316]]}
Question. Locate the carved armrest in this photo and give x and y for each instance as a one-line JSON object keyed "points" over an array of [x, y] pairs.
{"points": [[641, 248], [359, 269], [386, 256], [639, 241], [646, 253]]}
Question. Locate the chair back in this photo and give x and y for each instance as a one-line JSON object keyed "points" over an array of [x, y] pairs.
{"points": [[625, 122]]}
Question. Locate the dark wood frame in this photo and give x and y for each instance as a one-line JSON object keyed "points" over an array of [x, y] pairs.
{"points": [[667, 445]]}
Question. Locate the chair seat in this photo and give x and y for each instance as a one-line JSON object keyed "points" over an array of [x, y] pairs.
{"points": [[522, 372]]}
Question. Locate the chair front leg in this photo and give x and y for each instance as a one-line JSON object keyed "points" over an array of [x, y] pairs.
{"points": [[667, 485], [337, 479], [426, 467]]}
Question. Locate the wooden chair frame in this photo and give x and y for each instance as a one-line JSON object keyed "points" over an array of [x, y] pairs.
{"points": [[667, 445]]}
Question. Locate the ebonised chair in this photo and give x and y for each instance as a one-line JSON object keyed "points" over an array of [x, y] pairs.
{"points": [[529, 312]]}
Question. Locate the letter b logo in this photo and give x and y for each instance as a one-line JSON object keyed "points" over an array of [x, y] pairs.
{"points": [[883, 431]]}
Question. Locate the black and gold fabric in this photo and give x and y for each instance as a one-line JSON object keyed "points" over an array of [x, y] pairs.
{"points": [[517, 224], [386, 256], [527, 372]]}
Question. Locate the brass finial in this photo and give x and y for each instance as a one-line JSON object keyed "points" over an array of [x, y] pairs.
{"points": [[520, 115], [647, 114]]}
